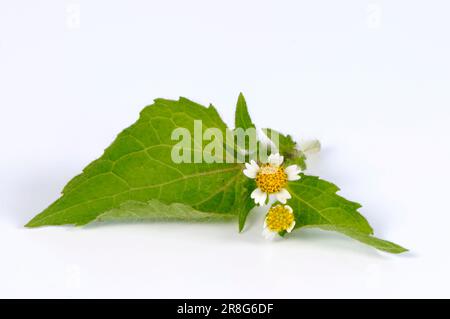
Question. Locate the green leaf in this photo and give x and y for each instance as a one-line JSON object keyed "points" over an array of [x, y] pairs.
{"points": [[316, 204], [136, 179], [242, 117], [288, 148], [137, 167]]}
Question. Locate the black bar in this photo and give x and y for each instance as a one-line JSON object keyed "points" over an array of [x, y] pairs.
{"points": [[220, 308]]}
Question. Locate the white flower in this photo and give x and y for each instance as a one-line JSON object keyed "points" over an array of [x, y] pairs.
{"points": [[279, 218], [271, 178], [309, 147]]}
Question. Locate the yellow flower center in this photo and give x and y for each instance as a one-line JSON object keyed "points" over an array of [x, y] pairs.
{"points": [[271, 179], [279, 218]]}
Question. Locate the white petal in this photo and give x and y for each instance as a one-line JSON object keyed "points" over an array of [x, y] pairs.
{"points": [[268, 234], [292, 172], [282, 196], [256, 193], [259, 196], [291, 227], [293, 169], [252, 164], [250, 171], [275, 159], [262, 199], [293, 177], [289, 208]]}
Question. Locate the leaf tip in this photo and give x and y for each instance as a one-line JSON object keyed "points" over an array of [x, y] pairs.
{"points": [[31, 224], [399, 250]]}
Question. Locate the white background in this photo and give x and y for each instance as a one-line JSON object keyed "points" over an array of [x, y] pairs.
{"points": [[369, 78]]}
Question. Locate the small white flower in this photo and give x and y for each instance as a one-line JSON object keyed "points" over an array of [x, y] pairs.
{"points": [[271, 179], [309, 147], [279, 218]]}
